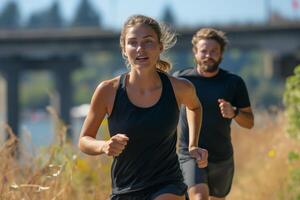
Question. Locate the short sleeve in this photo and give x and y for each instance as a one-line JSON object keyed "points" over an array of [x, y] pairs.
{"points": [[241, 96]]}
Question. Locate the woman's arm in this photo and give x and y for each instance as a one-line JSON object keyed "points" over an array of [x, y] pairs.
{"points": [[101, 104], [193, 113], [186, 95]]}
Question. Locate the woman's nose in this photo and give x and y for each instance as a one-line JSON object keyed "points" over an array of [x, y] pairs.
{"points": [[140, 47]]}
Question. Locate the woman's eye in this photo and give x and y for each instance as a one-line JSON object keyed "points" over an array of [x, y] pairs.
{"points": [[148, 41], [132, 43]]}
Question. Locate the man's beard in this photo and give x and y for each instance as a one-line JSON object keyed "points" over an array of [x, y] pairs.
{"points": [[211, 68]]}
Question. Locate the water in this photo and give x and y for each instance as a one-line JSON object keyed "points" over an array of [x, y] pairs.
{"points": [[38, 133], [37, 130]]}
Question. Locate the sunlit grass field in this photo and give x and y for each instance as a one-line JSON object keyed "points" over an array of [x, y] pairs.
{"points": [[264, 161], [263, 168]]}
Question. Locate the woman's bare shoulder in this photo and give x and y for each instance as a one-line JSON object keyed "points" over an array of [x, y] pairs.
{"points": [[106, 90], [108, 85], [181, 83]]}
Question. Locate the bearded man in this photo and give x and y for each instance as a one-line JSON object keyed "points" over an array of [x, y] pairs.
{"points": [[224, 98]]}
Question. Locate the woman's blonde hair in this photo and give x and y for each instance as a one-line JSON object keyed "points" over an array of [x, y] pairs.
{"points": [[164, 34]]}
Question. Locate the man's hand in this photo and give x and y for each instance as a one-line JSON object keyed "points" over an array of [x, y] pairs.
{"points": [[227, 110], [200, 155]]}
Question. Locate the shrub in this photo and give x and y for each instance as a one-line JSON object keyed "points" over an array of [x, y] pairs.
{"points": [[292, 103]]}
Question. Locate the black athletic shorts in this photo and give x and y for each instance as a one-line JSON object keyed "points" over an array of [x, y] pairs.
{"points": [[218, 176], [177, 188]]}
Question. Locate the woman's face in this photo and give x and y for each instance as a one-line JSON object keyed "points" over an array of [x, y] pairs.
{"points": [[142, 46]]}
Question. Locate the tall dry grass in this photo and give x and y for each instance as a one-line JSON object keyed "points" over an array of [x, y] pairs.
{"points": [[261, 159], [62, 172], [57, 172]]}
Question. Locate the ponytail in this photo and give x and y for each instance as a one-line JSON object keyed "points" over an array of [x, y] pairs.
{"points": [[163, 65]]}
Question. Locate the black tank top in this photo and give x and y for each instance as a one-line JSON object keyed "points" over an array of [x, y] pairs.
{"points": [[150, 156]]}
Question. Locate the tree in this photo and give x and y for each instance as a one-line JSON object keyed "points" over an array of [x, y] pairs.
{"points": [[48, 18], [168, 16], [86, 15], [10, 16]]}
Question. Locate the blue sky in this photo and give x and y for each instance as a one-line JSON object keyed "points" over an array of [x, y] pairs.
{"points": [[187, 12]]}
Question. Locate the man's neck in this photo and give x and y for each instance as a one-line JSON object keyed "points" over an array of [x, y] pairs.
{"points": [[207, 74]]}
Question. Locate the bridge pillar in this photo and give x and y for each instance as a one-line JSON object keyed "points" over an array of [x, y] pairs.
{"points": [[65, 94], [63, 69], [11, 74]]}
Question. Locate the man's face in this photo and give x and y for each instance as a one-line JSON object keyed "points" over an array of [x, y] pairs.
{"points": [[208, 55]]}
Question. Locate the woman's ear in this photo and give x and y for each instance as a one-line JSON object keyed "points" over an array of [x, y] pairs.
{"points": [[161, 47]]}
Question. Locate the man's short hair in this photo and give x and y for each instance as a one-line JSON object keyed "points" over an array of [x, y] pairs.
{"points": [[210, 33]]}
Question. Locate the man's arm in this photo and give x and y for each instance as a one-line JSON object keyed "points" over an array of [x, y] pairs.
{"points": [[243, 116]]}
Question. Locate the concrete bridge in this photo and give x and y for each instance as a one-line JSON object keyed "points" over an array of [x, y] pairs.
{"points": [[61, 51]]}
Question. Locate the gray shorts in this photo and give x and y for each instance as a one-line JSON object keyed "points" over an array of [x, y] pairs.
{"points": [[177, 188], [218, 176]]}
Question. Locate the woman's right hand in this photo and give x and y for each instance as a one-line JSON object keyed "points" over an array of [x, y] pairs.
{"points": [[115, 145]]}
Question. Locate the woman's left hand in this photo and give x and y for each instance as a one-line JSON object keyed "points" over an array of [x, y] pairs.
{"points": [[200, 156]]}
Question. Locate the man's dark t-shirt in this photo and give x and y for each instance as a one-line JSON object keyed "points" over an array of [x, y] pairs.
{"points": [[215, 131]]}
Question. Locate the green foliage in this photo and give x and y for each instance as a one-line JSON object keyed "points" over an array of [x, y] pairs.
{"points": [[292, 103], [265, 89], [50, 17], [86, 15], [292, 191], [35, 88], [10, 16], [97, 67], [168, 16], [293, 156], [295, 174]]}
